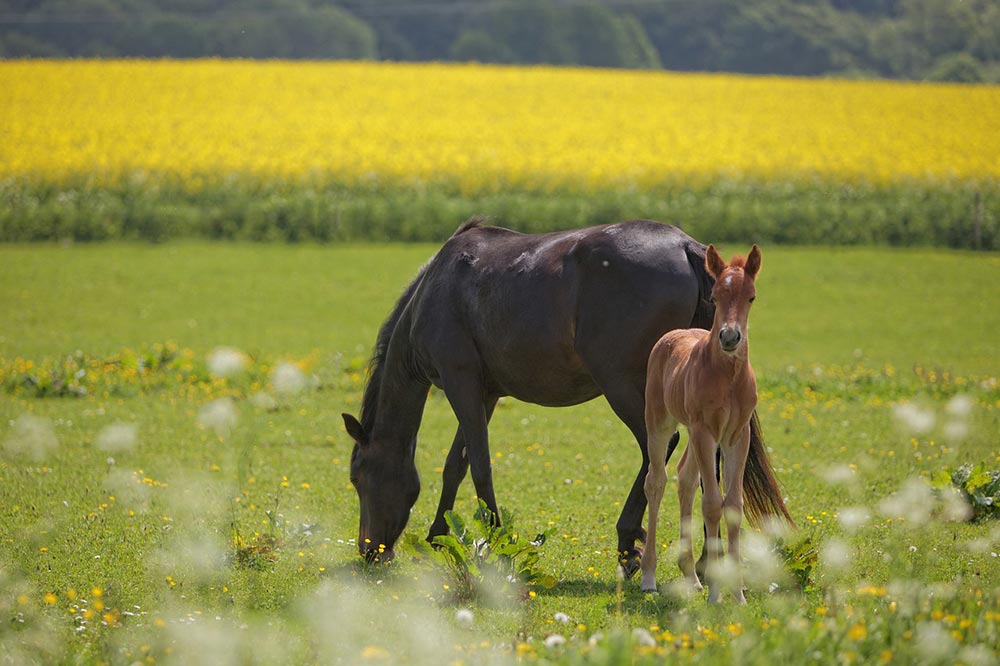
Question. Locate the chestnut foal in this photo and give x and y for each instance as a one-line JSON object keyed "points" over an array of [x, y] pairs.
{"points": [[703, 380]]}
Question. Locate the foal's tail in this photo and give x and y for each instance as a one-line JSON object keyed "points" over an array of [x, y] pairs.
{"points": [[761, 495]]}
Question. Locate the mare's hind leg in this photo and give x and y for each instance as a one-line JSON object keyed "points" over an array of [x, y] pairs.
{"points": [[455, 468]]}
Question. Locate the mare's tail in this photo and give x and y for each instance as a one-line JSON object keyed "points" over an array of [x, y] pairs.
{"points": [[704, 312], [761, 495]]}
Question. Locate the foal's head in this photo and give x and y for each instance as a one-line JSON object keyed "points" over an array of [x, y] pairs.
{"points": [[733, 293]]}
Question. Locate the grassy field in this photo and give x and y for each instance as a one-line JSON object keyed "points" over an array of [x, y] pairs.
{"points": [[151, 511]]}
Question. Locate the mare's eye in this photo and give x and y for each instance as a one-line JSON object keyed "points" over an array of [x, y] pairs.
{"points": [[753, 298]]}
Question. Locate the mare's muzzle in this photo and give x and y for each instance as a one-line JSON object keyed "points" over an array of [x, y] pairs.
{"points": [[373, 553]]}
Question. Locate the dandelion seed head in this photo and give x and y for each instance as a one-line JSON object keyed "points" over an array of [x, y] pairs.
{"points": [[960, 406], [954, 507], [31, 436], [554, 641], [226, 361], [117, 437], [264, 401], [763, 568], [976, 655], [839, 474], [836, 554], [913, 502], [934, 642], [219, 415], [643, 638], [956, 431], [288, 378], [853, 518], [464, 616], [913, 419]]}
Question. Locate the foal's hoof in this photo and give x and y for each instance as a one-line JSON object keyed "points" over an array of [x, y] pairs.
{"points": [[629, 561]]}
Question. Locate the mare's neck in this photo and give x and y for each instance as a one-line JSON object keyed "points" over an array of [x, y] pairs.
{"points": [[401, 400]]}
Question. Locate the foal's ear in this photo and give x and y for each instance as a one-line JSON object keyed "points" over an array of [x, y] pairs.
{"points": [[354, 429], [714, 263], [753, 262]]}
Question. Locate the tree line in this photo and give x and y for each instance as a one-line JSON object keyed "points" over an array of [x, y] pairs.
{"points": [[945, 40]]}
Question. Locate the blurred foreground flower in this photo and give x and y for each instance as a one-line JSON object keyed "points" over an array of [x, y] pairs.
{"points": [[31, 436], [219, 415], [288, 378], [117, 437], [226, 361]]}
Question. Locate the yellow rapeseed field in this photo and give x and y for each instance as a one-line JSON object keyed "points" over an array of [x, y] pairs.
{"points": [[482, 127]]}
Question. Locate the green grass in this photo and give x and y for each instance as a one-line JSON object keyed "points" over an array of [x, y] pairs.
{"points": [[839, 337]]}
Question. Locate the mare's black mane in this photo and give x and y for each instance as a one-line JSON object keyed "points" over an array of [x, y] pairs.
{"points": [[369, 402]]}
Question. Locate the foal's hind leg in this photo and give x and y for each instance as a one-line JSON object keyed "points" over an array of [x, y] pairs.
{"points": [[455, 468]]}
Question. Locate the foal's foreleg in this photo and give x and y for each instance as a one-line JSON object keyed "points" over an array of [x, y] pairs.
{"points": [[702, 564], [687, 486], [658, 438], [733, 468], [702, 449]]}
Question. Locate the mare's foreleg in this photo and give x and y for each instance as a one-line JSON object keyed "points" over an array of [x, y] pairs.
{"points": [[734, 466], [455, 468], [702, 448], [658, 439]]}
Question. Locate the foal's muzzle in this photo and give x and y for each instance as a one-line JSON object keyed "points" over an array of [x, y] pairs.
{"points": [[730, 338]]}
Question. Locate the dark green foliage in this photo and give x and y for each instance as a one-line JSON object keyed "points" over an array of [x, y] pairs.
{"points": [[913, 39], [979, 486], [959, 215], [800, 560], [483, 558]]}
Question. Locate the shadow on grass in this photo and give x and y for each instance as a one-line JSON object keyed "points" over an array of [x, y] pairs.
{"points": [[625, 597]]}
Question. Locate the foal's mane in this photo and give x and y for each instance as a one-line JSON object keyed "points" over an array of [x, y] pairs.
{"points": [[369, 402], [739, 261]]}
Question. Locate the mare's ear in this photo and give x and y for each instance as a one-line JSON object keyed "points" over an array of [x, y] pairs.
{"points": [[355, 430], [752, 267], [714, 264]]}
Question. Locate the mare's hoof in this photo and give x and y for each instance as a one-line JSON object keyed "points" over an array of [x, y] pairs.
{"points": [[629, 561]]}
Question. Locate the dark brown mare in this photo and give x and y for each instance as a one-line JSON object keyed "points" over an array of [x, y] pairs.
{"points": [[553, 319], [704, 381]]}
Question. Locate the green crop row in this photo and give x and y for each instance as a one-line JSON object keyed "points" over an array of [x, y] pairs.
{"points": [[152, 208]]}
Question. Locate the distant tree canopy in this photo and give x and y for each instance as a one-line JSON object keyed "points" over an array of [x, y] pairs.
{"points": [[913, 39]]}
